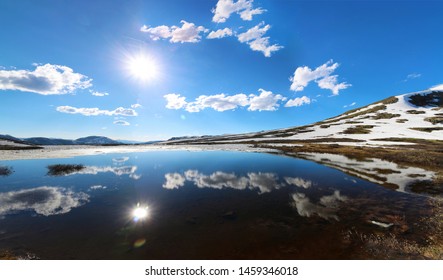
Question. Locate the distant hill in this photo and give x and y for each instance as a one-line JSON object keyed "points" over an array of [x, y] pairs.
{"points": [[49, 141], [96, 140], [416, 115], [8, 140], [12, 139]]}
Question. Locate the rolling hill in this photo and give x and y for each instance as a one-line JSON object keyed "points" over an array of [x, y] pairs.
{"points": [[406, 117]]}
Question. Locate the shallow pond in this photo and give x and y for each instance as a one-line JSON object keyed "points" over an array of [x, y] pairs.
{"points": [[205, 205]]}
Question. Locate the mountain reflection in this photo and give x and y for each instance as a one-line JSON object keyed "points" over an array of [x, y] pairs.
{"points": [[375, 170], [117, 170], [326, 208], [264, 182], [43, 200]]}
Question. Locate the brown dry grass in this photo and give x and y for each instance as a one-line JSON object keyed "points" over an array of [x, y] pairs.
{"points": [[359, 129], [434, 120], [384, 116], [426, 129]]}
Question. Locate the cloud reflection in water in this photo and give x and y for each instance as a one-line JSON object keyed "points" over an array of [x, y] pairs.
{"points": [[117, 170], [264, 182], [326, 208], [43, 200]]}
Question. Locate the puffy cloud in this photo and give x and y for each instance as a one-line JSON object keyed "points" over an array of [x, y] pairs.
{"points": [[221, 33], [158, 32], [331, 83], [97, 93], [224, 9], [44, 200], [263, 182], [299, 101], [46, 79], [187, 33], [321, 75], [120, 111], [265, 101], [218, 102], [135, 106], [121, 122], [327, 207], [175, 101], [254, 38]]}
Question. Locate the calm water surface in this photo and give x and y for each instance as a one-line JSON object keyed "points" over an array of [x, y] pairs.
{"points": [[202, 205]]}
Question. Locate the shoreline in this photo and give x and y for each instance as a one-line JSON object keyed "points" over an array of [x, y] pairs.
{"points": [[69, 151]]}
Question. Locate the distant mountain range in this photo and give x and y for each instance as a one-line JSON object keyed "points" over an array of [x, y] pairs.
{"points": [[8, 140], [43, 141]]}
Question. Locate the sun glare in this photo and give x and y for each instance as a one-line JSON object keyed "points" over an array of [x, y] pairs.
{"points": [[143, 67], [140, 213]]}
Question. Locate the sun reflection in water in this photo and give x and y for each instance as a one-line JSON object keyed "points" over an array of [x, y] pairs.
{"points": [[141, 212]]}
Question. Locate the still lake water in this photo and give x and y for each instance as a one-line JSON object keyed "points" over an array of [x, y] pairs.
{"points": [[202, 205]]}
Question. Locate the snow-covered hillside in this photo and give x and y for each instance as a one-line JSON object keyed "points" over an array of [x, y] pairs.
{"points": [[415, 115]]}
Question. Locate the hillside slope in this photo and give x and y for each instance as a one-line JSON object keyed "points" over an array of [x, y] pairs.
{"points": [[403, 117]]}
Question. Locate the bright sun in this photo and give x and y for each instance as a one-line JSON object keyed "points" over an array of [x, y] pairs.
{"points": [[143, 67]]}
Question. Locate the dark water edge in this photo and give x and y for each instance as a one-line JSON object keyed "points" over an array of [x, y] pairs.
{"points": [[210, 205]]}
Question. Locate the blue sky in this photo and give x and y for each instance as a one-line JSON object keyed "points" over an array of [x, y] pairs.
{"points": [[150, 70]]}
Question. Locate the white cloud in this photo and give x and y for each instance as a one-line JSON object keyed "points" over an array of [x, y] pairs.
{"points": [[254, 38], [187, 33], [135, 106], [175, 101], [224, 9], [321, 75], [264, 182], [412, 76], [99, 94], [158, 32], [437, 87], [253, 33], [218, 102], [45, 79], [44, 200], [266, 101], [120, 122], [350, 105], [298, 101], [221, 33], [120, 111]]}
